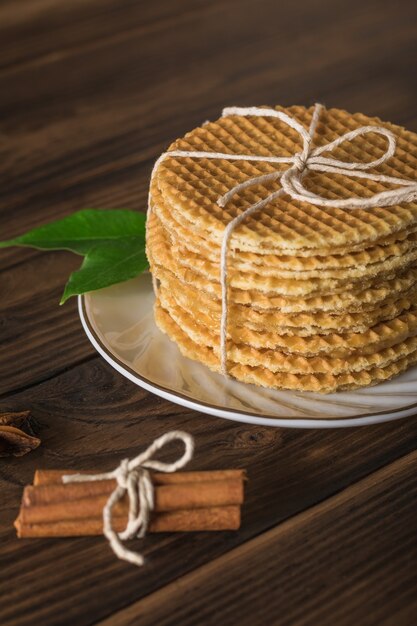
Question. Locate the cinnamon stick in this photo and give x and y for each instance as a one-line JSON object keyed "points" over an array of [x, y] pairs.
{"points": [[47, 503], [167, 497], [184, 501], [49, 477], [193, 520]]}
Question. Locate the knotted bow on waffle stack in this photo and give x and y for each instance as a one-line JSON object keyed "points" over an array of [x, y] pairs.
{"points": [[283, 244]]}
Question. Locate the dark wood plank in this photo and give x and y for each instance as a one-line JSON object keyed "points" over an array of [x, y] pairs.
{"points": [[90, 416], [336, 563], [92, 92], [104, 115], [70, 146], [77, 26], [39, 338]]}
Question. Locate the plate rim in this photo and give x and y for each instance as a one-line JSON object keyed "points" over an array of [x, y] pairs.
{"points": [[123, 368]]}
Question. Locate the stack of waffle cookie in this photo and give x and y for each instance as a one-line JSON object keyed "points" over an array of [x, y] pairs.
{"points": [[319, 299]]}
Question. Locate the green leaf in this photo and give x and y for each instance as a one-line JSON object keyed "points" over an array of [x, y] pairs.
{"points": [[82, 230], [111, 241], [106, 265]]}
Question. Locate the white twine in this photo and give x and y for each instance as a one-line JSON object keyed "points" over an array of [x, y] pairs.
{"points": [[291, 181], [133, 478]]}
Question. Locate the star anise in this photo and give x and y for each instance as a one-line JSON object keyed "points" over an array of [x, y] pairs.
{"points": [[17, 436]]}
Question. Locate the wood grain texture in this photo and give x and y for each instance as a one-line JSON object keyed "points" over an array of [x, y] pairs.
{"points": [[90, 413], [91, 93], [338, 564]]}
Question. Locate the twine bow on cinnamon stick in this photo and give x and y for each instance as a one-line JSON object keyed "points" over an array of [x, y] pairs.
{"points": [[291, 180], [133, 478], [132, 499]]}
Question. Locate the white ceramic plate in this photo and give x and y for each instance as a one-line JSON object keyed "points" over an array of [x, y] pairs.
{"points": [[119, 323]]}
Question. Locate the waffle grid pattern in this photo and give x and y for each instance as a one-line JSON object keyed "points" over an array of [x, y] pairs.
{"points": [[320, 299]]}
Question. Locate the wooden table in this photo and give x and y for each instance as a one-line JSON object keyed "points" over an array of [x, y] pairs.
{"points": [[91, 92]]}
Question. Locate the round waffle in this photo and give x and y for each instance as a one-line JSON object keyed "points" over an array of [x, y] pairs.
{"points": [[277, 361], [320, 383], [192, 186], [290, 323], [319, 299], [306, 260], [162, 254]]}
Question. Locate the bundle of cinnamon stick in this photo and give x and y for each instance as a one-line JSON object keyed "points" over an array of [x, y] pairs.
{"points": [[184, 501]]}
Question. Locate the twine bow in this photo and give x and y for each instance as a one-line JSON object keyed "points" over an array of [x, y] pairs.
{"points": [[291, 180], [133, 477]]}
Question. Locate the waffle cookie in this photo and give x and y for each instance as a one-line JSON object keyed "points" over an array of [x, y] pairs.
{"points": [[303, 293]]}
